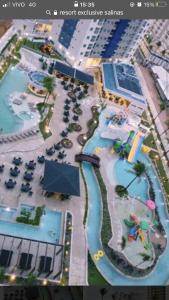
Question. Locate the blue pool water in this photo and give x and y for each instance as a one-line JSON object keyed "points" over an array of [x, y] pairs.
{"points": [[124, 175], [14, 81], [37, 77], [7, 214], [160, 275], [48, 231]]}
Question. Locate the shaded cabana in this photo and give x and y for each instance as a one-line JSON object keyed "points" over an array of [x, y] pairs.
{"points": [[61, 178], [74, 73], [25, 261], [5, 258], [45, 264]]}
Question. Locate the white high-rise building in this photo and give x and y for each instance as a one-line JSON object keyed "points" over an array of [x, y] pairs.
{"points": [[81, 39], [160, 33], [154, 50], [78, 40]]}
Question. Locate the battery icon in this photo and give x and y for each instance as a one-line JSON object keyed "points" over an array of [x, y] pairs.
{"points": [[161, 4]]}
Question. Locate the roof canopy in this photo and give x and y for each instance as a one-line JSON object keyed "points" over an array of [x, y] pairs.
{"points": [[61, 178], [74, 73]]}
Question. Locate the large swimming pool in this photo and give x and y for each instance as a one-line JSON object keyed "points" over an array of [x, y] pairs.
{"points": [[160, 275], [48, 231], [14, 81]]}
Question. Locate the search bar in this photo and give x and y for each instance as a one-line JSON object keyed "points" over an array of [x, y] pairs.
{"points": [[48, 12]]}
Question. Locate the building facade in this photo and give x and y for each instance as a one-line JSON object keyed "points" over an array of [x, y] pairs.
{"points": [[154, 49], [160, 33], [79, 40]]}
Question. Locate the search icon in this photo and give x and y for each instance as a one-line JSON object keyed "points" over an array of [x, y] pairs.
{"points": [[48, 12]]}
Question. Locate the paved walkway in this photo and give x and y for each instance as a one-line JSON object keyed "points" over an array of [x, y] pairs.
{"points": [[115, 241], [154, 102], [30, 149]]}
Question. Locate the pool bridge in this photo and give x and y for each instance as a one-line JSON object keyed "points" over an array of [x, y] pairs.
{"points": [[93, 159]]}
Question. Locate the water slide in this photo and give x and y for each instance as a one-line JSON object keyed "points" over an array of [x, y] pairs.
{"points": [[131, 136], [136, 147]]}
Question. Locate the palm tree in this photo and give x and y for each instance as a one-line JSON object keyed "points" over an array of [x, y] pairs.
{"points": [[139, 169], [162, 108], [49, 84], [167, 125]]}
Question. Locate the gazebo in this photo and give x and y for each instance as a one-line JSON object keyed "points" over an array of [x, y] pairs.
{"points": [[61, 178]]}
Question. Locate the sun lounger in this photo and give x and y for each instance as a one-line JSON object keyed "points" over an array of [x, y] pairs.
{"points": [[17, 101]]}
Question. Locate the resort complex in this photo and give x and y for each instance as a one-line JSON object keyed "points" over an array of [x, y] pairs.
{"points": [[84, 156]]}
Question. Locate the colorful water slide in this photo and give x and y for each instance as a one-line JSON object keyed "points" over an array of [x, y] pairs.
{"points": [[136, 147], [141, 235], [131, 136]]}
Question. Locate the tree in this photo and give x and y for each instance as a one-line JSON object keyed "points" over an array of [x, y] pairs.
{"points": [[162, 108], [49, 84], [121, 191], [167, 124], [139, 169], [31, 279], [158, 44], [163, 52], [2, 275]]}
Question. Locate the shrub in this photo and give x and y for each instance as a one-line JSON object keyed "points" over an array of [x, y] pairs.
{"points": [[26, 218], [2, 274], [123, 243], [145, 256]]}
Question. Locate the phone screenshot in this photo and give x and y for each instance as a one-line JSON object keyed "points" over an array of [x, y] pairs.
{"points": [[84, 149]]}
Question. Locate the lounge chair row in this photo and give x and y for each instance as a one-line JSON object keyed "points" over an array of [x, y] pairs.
{"points": [[17, 137]]}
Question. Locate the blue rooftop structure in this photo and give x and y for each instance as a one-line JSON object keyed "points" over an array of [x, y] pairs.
{"points": [[61, 178], [74, 73], [64, 69], [121, 79]]}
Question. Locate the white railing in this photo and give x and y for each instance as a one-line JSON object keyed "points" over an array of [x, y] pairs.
{"points": [[6, 37]]}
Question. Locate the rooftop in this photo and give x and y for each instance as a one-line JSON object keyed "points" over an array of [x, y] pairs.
{"points": [[162, 77], [74, 73], [121, 79], [61, 178]]}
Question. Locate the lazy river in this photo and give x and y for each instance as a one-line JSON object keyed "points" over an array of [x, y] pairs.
{"points": [[160, 274]]}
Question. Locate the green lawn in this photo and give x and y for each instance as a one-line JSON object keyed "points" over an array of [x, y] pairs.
{"points": [[164, 179], [94, 277], [150, 142], [46, 121], [162, 174], [35, 46]]}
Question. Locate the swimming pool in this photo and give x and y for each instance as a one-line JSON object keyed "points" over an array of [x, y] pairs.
{"points": [[37, 78], [121, 87], [14, 81], [7, 213], [160, 274], [48, 231]]}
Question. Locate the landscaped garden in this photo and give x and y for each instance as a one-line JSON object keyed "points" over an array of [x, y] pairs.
{"points": [[26, 216]]}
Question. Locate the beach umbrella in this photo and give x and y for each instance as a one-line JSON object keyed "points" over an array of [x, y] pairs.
{"points": [[144, 225], [151, 204]]}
